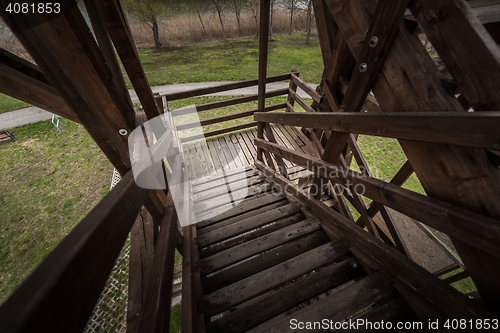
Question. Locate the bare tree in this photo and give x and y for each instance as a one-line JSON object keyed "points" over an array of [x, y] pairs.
{"points": [[254, 7], [219, 8], [197, 8], [237, 6], [271, 35], [149, 12], [292, 9]]}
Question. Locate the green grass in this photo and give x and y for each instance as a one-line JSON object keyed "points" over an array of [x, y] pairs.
{"points": [[8, 103], [49, 182], [231, 60]]}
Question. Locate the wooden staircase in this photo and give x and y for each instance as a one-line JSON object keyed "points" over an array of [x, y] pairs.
{"points": [[263, 263]]}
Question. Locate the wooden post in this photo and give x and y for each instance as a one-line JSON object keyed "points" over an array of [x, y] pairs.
{"points": [[265, 7]]}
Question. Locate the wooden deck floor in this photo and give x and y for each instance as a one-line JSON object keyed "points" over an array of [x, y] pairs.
{"points": [[235, 150]]}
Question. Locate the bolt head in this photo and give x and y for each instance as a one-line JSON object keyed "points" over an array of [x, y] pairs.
{"points": [[373, 41], [363, 67], [123, 131]]}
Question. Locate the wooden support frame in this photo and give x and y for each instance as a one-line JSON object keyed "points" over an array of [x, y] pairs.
{"points": [[474, 229], [400, 268], [468, 129], [412, 83]]}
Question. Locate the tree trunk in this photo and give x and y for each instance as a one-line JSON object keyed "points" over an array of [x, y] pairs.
{"points": [[271, 35], [218, 7], [291, 16], [237, 12], [156, 35], [199, 17], [309, 21]]}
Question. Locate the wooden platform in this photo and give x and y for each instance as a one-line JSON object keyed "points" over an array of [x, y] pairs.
{"points": [[235, 150], [263, 263]]}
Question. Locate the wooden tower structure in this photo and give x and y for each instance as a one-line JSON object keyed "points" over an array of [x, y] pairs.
{"points": [[293, 254]]}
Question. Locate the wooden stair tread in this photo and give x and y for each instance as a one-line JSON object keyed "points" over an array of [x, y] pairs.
{"points": [[273, 277], [220, 203], [256, 245], [270, 304], [337, 306], [265, 260], [247, 224], [248, 205], [214, 192], [223, 174], [244, 216], [277, 225]]}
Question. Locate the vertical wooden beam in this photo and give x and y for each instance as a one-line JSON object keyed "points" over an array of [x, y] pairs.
{"points": [[265, 7], [326, 29]]}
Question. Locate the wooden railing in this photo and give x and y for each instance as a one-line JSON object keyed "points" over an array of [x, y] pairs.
{"points": [[229, 102], [339, 130]]}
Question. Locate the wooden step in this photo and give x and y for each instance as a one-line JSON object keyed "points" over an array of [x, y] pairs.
{"points": [[273, 277], [264, 307], [337, 306], [247, 224], [220, 203], [247, 206], [223, 174], [214, 192], [263, 261], [257, 245], [277, 225], [244, 216]]}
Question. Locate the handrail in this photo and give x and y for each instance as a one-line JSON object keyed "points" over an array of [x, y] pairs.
{"points": [[399, 267], [224, 87], [469, 129], [470, 227], [61, 293]]}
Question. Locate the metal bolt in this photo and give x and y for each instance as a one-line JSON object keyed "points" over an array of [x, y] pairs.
{"points": [[363, 67], [373, 41], [123, 131]]}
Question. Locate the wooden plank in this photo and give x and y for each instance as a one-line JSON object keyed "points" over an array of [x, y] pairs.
{"points": [[305, 87], [247, 225], [326, 29], [222, 178], [266, 306], [248, 205], [399, 267], [224, 87], [384, 25], [257, 245], [478, 74], [273, 277], [62, 292], [338, 306], [221, 202], [226, 103], [470, 129], [232, 150], [220, 131], [25, 82], [246, 156], [472, 228], [228, 244], [142, 246], [236, 219], [215, 156], [208, 157], [225, 152], [192, 320], [296, 98], [263, 261], [228, 188], [157, 302]]}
